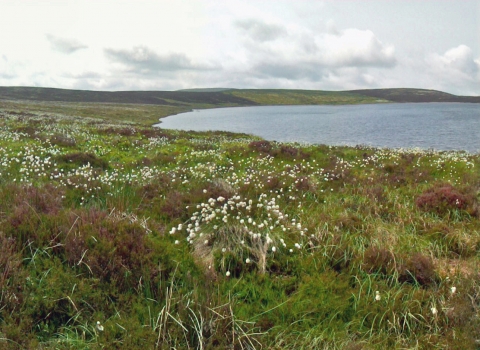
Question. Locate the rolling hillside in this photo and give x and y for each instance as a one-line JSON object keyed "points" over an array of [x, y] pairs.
{"points": [[147, 107]]}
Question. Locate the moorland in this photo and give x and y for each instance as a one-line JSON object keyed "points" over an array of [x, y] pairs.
{"points": [[146, 107], [115, 234]]}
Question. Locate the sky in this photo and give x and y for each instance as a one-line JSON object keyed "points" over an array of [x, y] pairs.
{"points": [[113, 45]]}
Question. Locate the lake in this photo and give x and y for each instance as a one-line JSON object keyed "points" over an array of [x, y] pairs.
{"points": [[440, 126]]}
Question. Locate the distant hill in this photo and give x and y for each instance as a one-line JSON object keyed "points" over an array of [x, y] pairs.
{"points": [[206, 89], [147, 107], [415, 95], [211, 97], [168, 98]]}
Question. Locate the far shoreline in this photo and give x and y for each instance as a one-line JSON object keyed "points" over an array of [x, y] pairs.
{"points": [[427, 137]]}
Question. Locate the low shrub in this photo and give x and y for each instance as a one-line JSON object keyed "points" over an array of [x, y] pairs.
{"points": [[418, 268], [115, 251], [63, 140], [289, 151], [123, 131], [261, 146], [441, 199], [82, 159], [46, 200], [174, 205], [378, 260], [154, 132], [10, 260]]}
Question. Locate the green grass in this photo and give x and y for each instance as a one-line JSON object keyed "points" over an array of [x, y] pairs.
{"points": [[145, 114], [302, 97], [173, 239]]}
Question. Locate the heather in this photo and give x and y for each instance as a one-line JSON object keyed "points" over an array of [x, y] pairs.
{"points": [[120, 235]]}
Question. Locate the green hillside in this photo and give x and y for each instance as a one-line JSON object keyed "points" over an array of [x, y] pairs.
{"points": [[147, 107]]}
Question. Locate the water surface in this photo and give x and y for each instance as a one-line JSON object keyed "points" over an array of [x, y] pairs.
{"points": [[441, 126]]}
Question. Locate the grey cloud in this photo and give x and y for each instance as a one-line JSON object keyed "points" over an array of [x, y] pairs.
{"points": [[310, 57], [144, 60], [64, 45], [291, 71], [260, 31]]}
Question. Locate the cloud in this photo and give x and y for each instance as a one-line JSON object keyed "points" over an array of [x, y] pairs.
{"points": [[143, 60], [355, 48], [260, 31], [455, 70], [292, 71], [458, 60], [64, 45], [351, 57], [8, 69]]}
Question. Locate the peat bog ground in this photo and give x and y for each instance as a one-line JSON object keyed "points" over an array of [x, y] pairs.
{"points": [[115, 234]]}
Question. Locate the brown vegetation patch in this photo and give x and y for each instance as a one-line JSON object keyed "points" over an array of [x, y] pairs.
{"points": [[418, 268], [82, 159], [62, 140], [444, 198], [379, 260], [262, 146]]}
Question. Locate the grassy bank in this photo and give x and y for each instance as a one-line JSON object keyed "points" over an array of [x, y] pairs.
{"points": [[118, 235]]}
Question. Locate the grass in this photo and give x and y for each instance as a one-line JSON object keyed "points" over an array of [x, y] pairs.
{"points": [[186, 240], [302, 97], [146, 114]]}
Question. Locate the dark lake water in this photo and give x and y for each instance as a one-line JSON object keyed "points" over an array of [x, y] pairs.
{"points": [[441, 126]]}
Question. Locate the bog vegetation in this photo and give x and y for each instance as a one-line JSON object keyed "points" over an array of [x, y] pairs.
{"points": [[116, 235]]}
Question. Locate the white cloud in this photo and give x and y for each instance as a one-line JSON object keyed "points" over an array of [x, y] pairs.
{"points": [[456, 61], [354, 47], [7, 71], [456, 69]]}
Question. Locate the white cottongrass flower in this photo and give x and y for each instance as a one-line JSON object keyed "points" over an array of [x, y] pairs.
{"points": [[248, 261], [378, 297], [227, 274], [274, 249], [434, 310], [99, 326]]}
